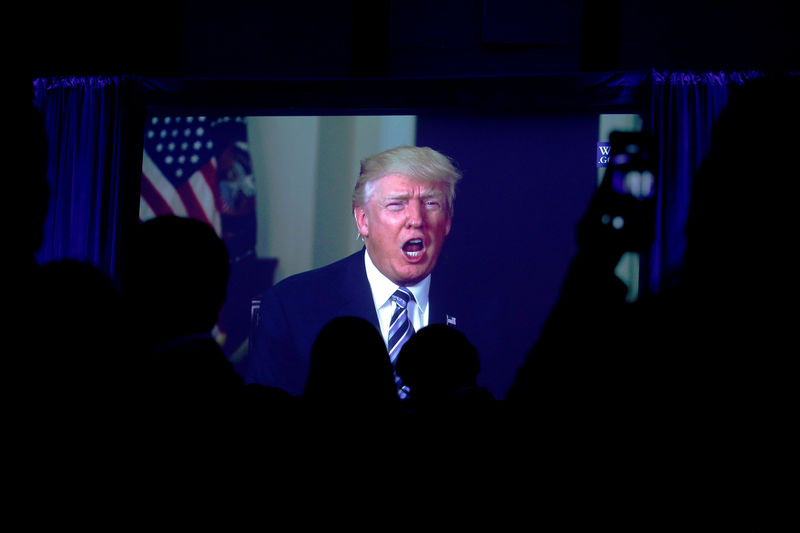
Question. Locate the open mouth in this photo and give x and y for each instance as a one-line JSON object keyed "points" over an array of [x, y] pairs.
{"points": [[413, 248]]}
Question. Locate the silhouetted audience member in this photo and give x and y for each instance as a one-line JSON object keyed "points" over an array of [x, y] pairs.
{"points": [[83, 339], [28, 194], [440, 367], [350, 408], [449, 421], [176, 286], [737, 284], [350, 372], [77, 387], [688, 388]]}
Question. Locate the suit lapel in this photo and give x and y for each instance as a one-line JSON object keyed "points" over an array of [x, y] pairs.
{"points": [[355, 293], [442, 310]]}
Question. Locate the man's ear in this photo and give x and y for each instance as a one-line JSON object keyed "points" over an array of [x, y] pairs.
{"points": [[362, 223]]}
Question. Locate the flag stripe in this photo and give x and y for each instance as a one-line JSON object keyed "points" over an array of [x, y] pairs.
{"points": [[194, 207], [145, 211], [211, 178], [204, 185], [155, 201], [163, 186]]}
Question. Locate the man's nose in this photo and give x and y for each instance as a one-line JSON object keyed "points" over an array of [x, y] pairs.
{"points": [[415, 214]]}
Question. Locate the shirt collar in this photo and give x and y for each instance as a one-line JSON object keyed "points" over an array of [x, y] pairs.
{"points": [[382, 287]]}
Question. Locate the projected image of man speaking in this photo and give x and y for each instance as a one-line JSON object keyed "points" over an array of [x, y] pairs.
{"points": [[403, 210]]}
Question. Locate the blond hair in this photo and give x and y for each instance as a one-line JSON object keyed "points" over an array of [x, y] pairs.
{"points": [[417, 162]]}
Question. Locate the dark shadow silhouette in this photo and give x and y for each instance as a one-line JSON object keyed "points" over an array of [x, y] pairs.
{"points": [[450, 422], [687, 388], [28, 192], [350, 410], [67, 374], [175, 290], [79, 373], [440, 366], [27, 185], [24, 300], [350, 372]]}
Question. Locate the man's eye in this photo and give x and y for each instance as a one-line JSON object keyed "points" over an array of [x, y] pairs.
{"points": [[432, 204], [394, 206]]}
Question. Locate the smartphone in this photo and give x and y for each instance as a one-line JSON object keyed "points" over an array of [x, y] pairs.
{"points": [[630, 184], [631, 164]]}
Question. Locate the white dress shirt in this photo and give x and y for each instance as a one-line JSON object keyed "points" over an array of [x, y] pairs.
{"points": [[382, 290]]}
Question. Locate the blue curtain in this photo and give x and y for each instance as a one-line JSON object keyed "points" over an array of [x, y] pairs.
{"points": [[94, 126], [683, 109], [93, 129]]}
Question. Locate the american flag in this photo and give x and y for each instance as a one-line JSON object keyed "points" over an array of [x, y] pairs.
{"points": [[199, 167], [179, 167]]}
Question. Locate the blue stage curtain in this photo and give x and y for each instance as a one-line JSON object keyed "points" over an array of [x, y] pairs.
{"points": [[89, 122], [683, 109]]}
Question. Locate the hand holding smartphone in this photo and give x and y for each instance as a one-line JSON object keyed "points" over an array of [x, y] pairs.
{"points": [[626, 202]]}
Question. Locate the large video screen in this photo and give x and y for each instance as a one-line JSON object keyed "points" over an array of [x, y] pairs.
{"points": [[277, 188]]}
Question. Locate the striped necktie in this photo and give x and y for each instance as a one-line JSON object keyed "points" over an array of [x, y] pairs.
{"points": [[400, 329]]}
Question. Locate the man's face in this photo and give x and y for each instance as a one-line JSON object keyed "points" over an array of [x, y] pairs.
{"points": [[404, 223]]}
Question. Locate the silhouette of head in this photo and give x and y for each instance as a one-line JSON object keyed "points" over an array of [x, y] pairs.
{"points": [[350, 365], [179, 275], [436, 362]]}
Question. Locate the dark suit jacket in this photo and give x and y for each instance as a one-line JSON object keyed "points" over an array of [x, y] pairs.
{"points": [[295, 310]]}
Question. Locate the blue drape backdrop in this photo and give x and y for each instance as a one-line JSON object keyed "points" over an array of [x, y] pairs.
{"points": [[683, 109], [93, 134]]}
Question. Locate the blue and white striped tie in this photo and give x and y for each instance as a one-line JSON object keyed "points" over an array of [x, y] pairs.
{"points": [[400, 330]]}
